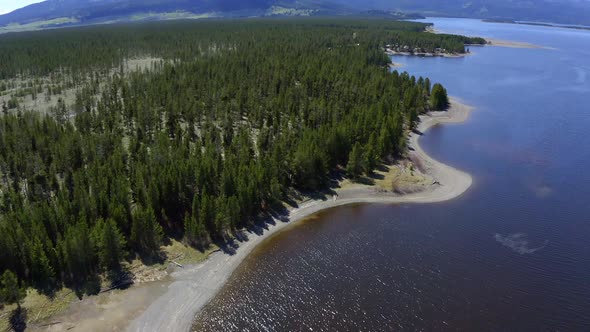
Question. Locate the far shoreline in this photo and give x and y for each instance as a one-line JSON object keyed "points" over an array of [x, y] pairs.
{"points": [[510, 43], [195, 286], [495, 41], [428, 55]]}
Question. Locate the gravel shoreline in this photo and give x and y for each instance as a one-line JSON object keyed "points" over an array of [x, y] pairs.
{"points": [[193, 287]]}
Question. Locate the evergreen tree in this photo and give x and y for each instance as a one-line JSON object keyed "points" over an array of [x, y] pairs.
{"points": [[354, 168], [77, 250], [370, 155], [191, 233], [146, 232], [10, 291], [438, 97], [427, 85], [110, 243], [41, 271]]}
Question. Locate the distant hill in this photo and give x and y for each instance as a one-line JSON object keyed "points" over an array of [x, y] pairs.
{"points": [[556, 11], [53, 13], [72, 12]]}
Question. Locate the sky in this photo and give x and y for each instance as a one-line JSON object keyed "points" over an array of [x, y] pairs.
{"points": [[6, 6]]}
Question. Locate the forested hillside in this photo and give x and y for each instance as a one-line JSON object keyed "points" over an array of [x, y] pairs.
{"points": [[235, 117], [53, 13], [85, 50]]}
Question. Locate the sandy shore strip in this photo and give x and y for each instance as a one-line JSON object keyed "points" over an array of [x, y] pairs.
{"points": [[193, 287], [510, 43], [495, 41]]}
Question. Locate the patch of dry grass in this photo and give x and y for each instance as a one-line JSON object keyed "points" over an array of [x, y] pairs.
{"points": [[18, 87], [184, 254], [401, 177], [39, 307], [175, 251]]}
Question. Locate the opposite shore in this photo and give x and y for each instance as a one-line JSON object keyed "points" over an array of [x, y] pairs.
{"points": [[490, 42], [193, 287], [392, 52]]}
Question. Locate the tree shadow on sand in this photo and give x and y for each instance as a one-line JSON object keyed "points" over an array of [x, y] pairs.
{"points": [[260, 225], [18, 319]]}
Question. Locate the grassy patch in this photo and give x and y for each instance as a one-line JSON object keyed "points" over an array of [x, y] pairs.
{"points": [[39, 307], [15, 27], [283, 11], [169, 16], [157, 270], [183, 254], [402, 177]]}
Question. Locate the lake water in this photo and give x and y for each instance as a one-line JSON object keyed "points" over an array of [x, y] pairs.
{"points": [[513, 253]]}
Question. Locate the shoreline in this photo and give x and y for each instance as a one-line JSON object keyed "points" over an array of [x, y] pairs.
{"points": [[541, 24], [427, 55], [495, 41], [511, 43], [394, 65], [195, 286]]}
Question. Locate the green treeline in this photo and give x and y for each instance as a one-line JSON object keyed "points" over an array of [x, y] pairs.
{"points": [[196, 147], [429, 42], [79, 51]]}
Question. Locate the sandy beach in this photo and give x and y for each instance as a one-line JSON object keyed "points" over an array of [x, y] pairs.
{"points": [[193, 287], [495, 41], [510, 43]]}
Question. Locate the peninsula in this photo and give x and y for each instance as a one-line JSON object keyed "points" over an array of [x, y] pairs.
{"points": [[173, 303], [147, 147]]}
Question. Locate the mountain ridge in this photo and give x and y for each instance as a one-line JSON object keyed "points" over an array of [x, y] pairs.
{"points": [[53, 13]]}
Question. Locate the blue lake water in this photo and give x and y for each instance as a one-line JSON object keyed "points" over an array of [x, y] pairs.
{"points": [[513, 253]]}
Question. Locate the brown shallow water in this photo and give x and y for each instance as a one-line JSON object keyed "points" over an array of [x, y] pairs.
{"points": [[512, 254]]}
